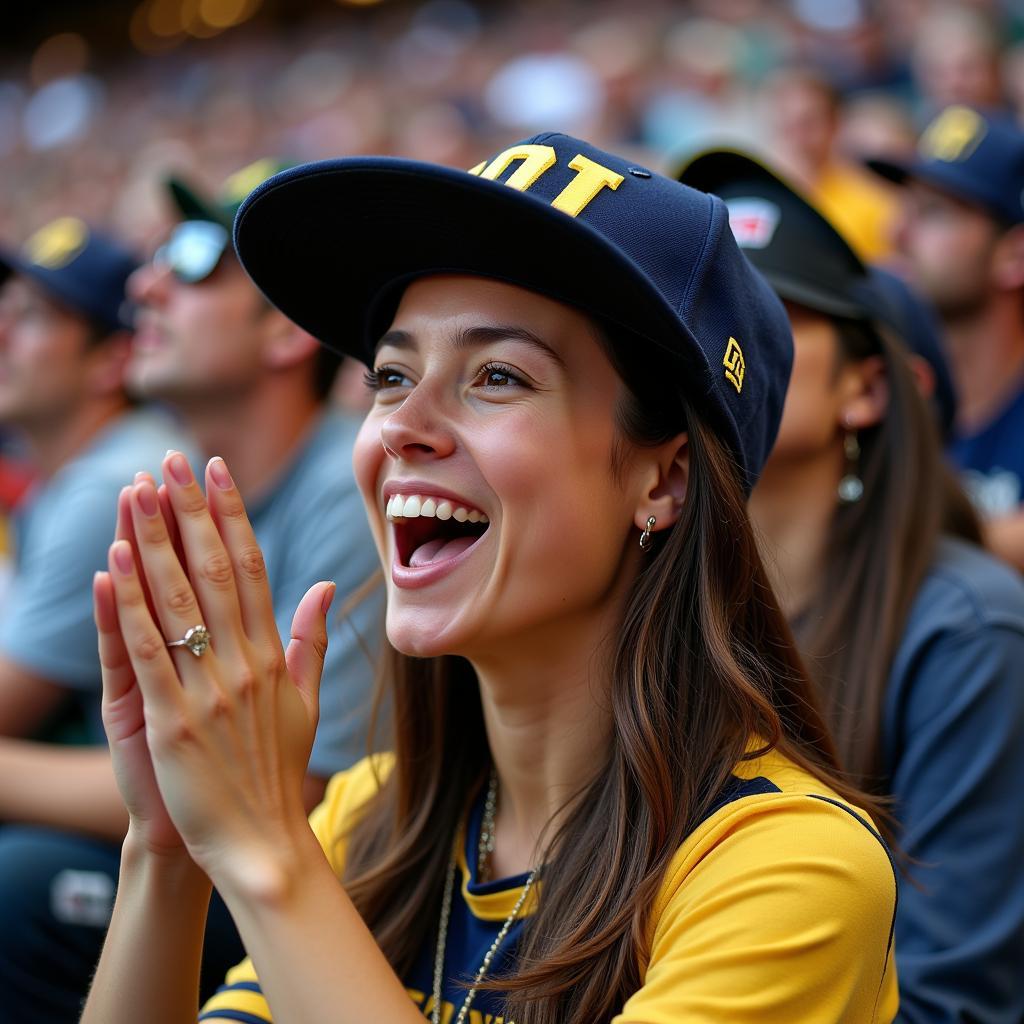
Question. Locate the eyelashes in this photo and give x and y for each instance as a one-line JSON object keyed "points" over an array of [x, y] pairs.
{"points": [[492, 375]]}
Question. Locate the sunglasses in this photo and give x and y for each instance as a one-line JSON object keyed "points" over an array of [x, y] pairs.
{"points": [[193, 250]]}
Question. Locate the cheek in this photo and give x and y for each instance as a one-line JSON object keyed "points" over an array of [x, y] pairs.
{"points": [[368, 465]]}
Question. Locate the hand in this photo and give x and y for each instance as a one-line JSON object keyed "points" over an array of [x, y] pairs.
{"points": [[229, 732], [122, 705]]}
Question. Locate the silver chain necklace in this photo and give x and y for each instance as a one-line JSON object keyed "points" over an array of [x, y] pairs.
{"points": [[485, 848]]}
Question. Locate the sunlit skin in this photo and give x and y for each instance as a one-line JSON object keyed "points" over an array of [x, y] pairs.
{"points": [[196, 342], [525, 434]]}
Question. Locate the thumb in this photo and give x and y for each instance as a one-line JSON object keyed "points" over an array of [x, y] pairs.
{"points": [[308, 645]]}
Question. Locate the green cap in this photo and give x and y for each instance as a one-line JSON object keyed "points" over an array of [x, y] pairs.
{"points": [[192, 205]]}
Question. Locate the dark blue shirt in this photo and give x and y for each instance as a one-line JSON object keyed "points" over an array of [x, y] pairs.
{"points": [[991, 462], [953, 741]]}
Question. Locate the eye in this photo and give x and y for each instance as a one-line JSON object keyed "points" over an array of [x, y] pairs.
{"points": [[498, 375], [384, 378]]}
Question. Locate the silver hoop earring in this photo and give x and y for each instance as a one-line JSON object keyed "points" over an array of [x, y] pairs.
{"points": [[851, 487], [645, 537]]}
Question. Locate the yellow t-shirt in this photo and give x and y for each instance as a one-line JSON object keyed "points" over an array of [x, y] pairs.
{"points": [[778, 909]]}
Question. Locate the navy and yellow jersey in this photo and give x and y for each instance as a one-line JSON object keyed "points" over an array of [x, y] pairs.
{"points": [[778, 908]]}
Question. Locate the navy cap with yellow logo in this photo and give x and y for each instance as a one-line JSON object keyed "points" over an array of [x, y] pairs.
{"points": [[83, 270], [334, 243], [971, 156]]}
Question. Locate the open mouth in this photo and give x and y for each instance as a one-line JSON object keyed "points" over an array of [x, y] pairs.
{"points": [[429, 530]]}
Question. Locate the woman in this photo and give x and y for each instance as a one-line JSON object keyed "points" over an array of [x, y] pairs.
{"points": [[611, 795], [915, 638]]}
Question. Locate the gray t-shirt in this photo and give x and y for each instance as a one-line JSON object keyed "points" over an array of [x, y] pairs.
{"points": [[312, 526], [62, 534]]}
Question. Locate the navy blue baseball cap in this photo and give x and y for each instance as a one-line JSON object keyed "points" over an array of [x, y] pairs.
{"points": [[896, 305], [971, 156], [333, 244], [79, 268]]}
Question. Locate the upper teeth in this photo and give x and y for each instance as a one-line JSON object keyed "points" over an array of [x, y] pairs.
{"points": [[401, 506]]}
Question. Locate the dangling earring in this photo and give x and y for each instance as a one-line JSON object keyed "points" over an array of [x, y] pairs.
{"points": [[645, 537], [851, 487]]}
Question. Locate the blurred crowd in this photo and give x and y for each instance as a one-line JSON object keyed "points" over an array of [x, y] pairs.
{"points": [[446, 80]]}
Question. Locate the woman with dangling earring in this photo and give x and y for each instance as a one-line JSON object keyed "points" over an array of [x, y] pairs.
{"points": [[914, 635], [610, 796]]}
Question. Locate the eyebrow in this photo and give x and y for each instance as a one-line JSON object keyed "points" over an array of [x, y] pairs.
{"points": [[474, 337]]}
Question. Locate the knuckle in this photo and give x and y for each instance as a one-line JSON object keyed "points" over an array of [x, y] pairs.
{"points": [[175, 732], [179, 598], [192, 503], [273, 664], [320, 646], [147, 649], [216, 570], [252, 564], [231, 508], [245, 683], [217, 704]]}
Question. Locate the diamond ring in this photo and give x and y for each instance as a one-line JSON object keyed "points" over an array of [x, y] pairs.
{"points": [[196, 639]]}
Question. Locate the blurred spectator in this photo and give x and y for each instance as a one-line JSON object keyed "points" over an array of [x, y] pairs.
{"points": [[914, 636], [64, 345], [961, 241], [804, 114], [956, 58]]}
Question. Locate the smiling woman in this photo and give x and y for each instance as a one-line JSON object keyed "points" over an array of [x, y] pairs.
{"points": [[611, 796]]}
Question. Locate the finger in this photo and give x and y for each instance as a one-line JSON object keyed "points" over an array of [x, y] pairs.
{"points": [[209, 566], [177, 609], [171, 522], [254, 597], [148, 657], [115, 666], [308, 646]]}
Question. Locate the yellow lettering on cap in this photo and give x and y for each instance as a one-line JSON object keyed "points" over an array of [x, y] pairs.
{"points": [[590, 178], [58, 243], [735, 365], [535, 161], [953, 135], [242, 182]]}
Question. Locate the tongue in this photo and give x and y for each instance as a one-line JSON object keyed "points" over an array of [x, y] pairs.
{"points": [[440, 549]]}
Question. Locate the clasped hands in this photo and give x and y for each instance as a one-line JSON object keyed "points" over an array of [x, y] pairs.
{"points": [[209, 751]]}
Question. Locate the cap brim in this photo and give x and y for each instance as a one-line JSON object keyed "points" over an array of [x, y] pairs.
{"points": [[333, 244], [191, 206], [817, 299]]}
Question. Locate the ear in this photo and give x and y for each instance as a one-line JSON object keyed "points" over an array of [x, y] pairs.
{"points": [[286, 344], [865, 393], [1008, 260], [666, 477], [923, 374], [106, 363]]}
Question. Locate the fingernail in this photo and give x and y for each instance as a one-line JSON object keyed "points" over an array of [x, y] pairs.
{"points": [[219, 473], [179, 469], [141, 475], [123, 557], [328, 598], [147, 500]]}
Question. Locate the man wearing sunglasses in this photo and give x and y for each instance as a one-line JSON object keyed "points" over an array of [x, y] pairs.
{"points": [[64, 346]]}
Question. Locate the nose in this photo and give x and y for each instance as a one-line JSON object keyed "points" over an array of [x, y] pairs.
{"points": [[417, 431], [899, 231], [149, 285]]}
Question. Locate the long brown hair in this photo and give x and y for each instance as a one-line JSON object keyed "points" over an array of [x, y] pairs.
{"points": [[877, 554], [703, 662]]}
